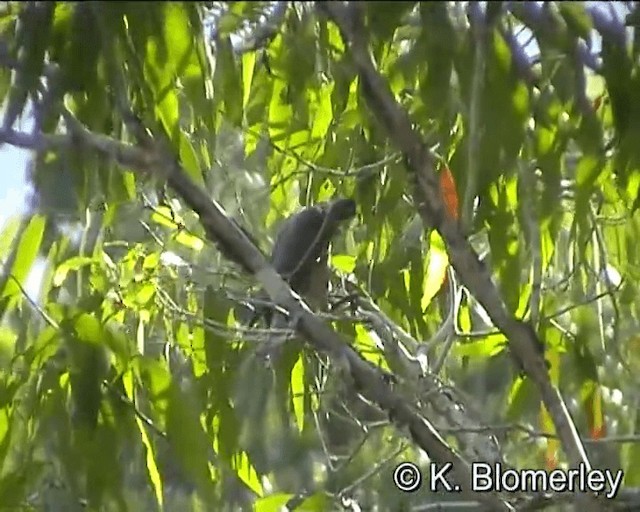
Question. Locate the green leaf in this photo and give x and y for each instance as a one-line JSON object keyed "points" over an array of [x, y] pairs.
{"points": [[631, 461], [144, 294], [31, 41], [217, 352], [80, 50], [343, 262], [315, 503], [486, 347], [298, 54], [298, 391], [280, 112], [189, 441], [167, 110], [179, 36], [89, 329], [522, 396], [164, 216], [436, 45], [25, 254], [72, 264], [587, 172], [505, 241], [436, 269], [322, 114], [189, 159], [9, 232], [227, 82], [247, 473], [368, 348], [248, 68], [157, 381], [188, 240]]}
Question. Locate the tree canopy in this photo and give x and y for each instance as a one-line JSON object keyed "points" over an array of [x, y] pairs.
{"points": [[484, 303]]}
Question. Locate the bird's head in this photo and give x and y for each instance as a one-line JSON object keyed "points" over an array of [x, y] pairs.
{"points": [[341, 209]]}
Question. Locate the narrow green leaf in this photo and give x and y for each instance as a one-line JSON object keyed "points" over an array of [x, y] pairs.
{"points": [[227, 82], [189, 159], [436, 269], [247, 473], [368, 348], [7, 236], [248, 67], [152, 467], [298, 391], [631, 457], [26, 253], [69, 265], [191, 445], [188, 240]]}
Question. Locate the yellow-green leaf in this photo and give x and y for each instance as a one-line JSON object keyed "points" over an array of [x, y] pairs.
{"points": [[297, 391], [436, 271], [343, 262], [190, 241], [247, 473], [66, 266], [26, 253]]}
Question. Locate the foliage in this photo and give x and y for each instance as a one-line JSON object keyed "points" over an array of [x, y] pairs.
{"points": [[126, 382]]}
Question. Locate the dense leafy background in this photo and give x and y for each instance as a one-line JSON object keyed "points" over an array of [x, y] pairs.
{"points": [[125, 383]]}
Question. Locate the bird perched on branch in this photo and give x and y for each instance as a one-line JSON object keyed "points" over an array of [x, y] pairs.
{"points": [[300, 253], [301, 248]]}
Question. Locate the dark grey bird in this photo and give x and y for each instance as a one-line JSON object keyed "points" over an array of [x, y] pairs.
{"points": [[300, 254]]}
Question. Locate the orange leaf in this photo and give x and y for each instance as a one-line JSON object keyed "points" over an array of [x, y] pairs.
{"points": [[449, 192], [551, 460], [599, 433]]}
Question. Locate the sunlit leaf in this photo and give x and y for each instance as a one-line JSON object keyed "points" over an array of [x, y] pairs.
{"points": [[190, 241], [25, 254], [343, 262], [298, 391], [71, 264], [165, 217], [247, 472], [248, 66], [436, 269]]}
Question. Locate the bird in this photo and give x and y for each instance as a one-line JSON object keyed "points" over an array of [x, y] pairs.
{"points": [[300, 251], [300, 255]]}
